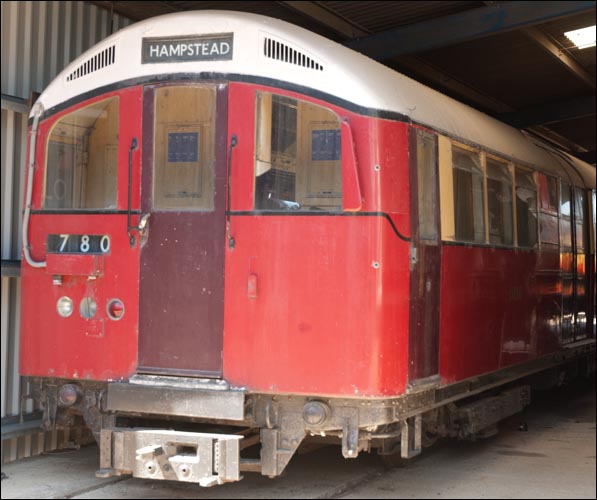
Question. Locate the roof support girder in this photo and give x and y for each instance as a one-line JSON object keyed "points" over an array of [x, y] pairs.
{"points": [[551, 48], [468, 25], [327, 18], [552, 112]]}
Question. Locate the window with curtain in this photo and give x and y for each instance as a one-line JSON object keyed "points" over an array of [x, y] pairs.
{"points": [[548, 203], [469, 211], [526, 208], [565, 214], [499, 203]]}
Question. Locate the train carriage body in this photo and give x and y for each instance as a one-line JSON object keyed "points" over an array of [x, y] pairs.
{"points": [[232, 221]]}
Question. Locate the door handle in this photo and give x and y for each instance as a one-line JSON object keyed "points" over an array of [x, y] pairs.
{"points": [[142, 227], [143, 223]]}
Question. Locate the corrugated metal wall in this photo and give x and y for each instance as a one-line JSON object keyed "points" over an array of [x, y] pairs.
{"points": [[38, 40]]}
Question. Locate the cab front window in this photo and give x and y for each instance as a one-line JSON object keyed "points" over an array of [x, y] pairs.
{"points": [[82, 159]]}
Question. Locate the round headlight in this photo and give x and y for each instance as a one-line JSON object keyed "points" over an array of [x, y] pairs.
{"points": [[115, 309], [88, 308], [64, 306]]}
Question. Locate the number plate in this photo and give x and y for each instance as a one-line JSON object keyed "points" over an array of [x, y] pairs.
{"points": [[78, 243]]}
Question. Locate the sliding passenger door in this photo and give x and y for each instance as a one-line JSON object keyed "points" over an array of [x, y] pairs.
{"points": [[582, 308], [425, 257], [591, 267]]}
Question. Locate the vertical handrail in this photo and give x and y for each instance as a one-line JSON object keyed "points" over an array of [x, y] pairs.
{"points": [[134, 146], [37, 111], [233, 143]]}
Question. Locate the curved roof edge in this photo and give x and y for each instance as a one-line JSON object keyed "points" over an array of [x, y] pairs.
{"points": [[341, 72]]}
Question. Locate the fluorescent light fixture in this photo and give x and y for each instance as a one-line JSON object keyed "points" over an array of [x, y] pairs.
{"points": [[582, 38]]}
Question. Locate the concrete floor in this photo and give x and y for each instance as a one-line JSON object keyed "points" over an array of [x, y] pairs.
{"points": [[555, 458]]}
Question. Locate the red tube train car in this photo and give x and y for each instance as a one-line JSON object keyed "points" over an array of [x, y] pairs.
{"points": [[240, 233]]}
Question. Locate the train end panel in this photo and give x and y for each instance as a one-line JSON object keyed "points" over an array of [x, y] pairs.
{"points": [[69, 329], [314, 314]]}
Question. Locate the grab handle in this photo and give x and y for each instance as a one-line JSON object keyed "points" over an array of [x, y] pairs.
{"points": [[129, 228]]}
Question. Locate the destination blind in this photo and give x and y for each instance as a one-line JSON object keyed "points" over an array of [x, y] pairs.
{"points": [[187, 48]]}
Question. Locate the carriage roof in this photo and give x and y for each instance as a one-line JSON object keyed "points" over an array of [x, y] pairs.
{"points": [[276, 51]]}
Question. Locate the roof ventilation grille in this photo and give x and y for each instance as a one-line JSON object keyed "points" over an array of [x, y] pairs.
{"points": [[100, 60], [284, 53]]}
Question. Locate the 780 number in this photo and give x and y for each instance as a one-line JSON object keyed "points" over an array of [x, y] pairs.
{"points": [[78, 243]]}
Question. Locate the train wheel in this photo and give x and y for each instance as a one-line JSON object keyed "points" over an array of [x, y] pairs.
{"points": [[393, 458], [395, 461], [428, 439]]}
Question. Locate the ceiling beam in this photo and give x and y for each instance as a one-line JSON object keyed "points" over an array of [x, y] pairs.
{"points": [[441, 81], [17, 104], [551, 48], [464, 26], [551, 112], [557, 139], [327, 18], [131, 9]]}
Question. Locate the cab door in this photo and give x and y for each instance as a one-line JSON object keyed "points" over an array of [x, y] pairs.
{"points": [[181, 310]]}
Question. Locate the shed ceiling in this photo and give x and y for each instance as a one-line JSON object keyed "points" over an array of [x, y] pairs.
{"points": [[508, 59]]}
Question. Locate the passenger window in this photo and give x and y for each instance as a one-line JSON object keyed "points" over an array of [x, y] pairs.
{"points": [[298, 164], [594, 222], [565, 211], [184, 142], [469, 213], [426, 185], [499, 203], [548, 201], [526, 208], [82, 159], [579, 204]]}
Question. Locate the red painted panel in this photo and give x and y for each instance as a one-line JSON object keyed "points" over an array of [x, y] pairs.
{"points": [[497, 309], [241, 122], [327, 319], [75, 265], [352, 198], [75, 347]]}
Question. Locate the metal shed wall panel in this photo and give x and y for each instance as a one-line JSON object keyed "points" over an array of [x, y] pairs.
{"points": [[38, 39]]}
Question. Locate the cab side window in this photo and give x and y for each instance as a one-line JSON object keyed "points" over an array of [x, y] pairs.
{"points": [[298, 163]]}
